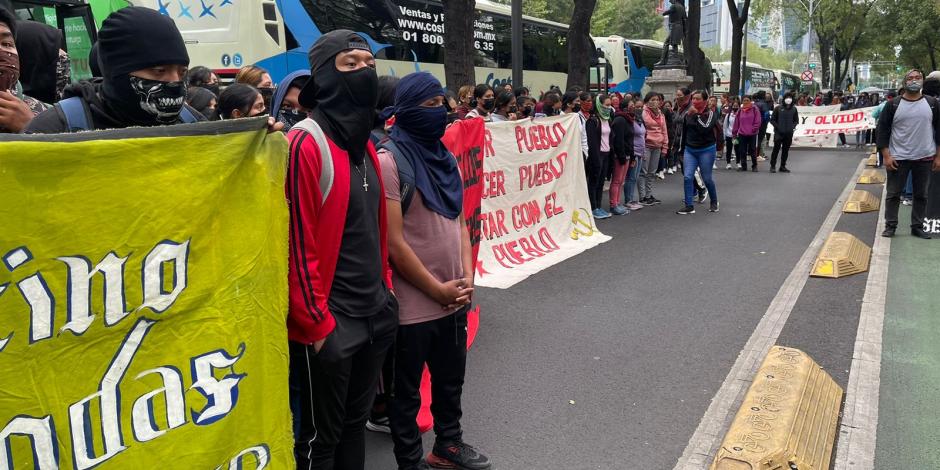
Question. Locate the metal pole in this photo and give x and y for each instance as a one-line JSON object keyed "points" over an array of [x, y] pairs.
{"points": [[517, 43]]}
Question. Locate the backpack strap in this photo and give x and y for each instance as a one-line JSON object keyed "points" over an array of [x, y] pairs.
{"points": [[326, 156], [75, 113], [187, 116], [406, 173]]}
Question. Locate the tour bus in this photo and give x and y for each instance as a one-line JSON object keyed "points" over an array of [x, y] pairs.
{"points": [[630, 62], [405, 35], [756, 78], [787, 82]]}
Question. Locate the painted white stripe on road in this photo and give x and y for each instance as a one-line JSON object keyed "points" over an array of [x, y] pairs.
{"points": [[855, 448], [704, 443]]}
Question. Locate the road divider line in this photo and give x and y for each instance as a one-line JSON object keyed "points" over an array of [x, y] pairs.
{"points": [[855, 448], [704, 442]]}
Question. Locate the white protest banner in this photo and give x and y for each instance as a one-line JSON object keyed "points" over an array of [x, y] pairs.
{"points": [[820, 126], [535, 210]]}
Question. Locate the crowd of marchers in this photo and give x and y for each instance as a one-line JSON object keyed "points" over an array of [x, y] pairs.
{"points": [[381, 284]]}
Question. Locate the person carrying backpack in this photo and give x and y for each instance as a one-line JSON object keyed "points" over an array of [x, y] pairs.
{"points": [[909, 141], [431, 258], [143, 61]]}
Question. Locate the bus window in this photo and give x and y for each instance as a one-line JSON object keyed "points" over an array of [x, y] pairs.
{"points": [[544, 49]]}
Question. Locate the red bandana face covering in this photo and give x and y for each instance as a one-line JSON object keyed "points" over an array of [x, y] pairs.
{"points": [[9, 70]]}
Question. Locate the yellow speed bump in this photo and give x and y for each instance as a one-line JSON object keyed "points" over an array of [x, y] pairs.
{"points": [[861, 201], [841, 255], [788, 417], [871, 177], [872, 160]]}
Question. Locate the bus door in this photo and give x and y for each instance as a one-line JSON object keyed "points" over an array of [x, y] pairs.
{"points": [[76, 21]]}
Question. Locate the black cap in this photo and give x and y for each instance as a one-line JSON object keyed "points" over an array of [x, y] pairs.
{"points": [[136, 38], [323, 53]]}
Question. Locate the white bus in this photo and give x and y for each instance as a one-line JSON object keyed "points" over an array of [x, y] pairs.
{"points": [[630, 62], [756, 78], [405, 35]]}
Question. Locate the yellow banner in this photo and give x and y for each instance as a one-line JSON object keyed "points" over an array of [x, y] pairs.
{"points": [[143, 295]]}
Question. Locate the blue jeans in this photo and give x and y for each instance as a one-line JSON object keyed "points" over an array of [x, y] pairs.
{"points": [[702, 159], [629, 188]]}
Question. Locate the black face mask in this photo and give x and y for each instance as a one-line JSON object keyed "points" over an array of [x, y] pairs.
{"points": [[214, 88], [290, 117], [489, 104], [145, 102], [266, 94], [512, 109], [527, 111], [576, 108], [345, 106]]}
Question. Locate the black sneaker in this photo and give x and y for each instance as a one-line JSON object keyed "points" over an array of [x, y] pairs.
{"points": [[654, 201], [421, 466], [457, 455], [714, 207], [646, 201], [686, 210], [920, 234], [701, 197], [754, 169], [889, 232], [784, 169], [743, 168], [773, 170]]}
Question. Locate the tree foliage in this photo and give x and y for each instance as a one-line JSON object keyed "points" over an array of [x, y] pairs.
{"points": [[632, 19]]}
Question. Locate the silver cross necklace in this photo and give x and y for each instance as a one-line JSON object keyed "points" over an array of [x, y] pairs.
{"points": [[363, 173]]}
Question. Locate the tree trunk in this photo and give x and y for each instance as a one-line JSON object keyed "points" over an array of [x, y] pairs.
{"points": [[824, 46], [694, 57], [458, 43], [738, 21], [737, 49], [580, 44], [838, 76]]}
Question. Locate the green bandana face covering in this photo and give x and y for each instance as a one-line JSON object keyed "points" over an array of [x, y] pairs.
{"points": [[602, 111]]}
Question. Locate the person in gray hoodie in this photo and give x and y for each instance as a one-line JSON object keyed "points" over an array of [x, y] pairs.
{"points": [[784, 120]]}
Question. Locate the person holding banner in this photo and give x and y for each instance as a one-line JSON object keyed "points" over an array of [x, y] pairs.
{"points": [[484, 101], [909, 140], [700, 150], [343, 315], [432, 264], [784, 120], [16, 108], [144, 60]]}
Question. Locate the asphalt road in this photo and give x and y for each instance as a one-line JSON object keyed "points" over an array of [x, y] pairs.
{"points": [[641, 331]]}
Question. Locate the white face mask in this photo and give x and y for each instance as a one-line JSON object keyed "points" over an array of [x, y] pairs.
{"points": [[788, 101]]}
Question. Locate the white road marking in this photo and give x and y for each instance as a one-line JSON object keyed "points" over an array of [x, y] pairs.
{"points": [[855, 448], [704, 443]]}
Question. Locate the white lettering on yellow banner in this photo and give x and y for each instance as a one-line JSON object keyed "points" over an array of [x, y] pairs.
{"points": [[535, 210]]}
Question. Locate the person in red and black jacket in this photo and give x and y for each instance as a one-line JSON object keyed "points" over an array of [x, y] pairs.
{"points": [[343, 315]]}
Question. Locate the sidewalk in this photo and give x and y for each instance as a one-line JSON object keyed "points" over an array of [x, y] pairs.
{"points": [[909, 418]]}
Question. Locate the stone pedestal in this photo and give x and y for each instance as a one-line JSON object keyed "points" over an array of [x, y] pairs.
{"points": [[667, 80]]}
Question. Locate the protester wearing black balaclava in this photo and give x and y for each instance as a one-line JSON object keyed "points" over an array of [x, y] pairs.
{"points": [[342, 102], [430, 251], [39, 45], [342, 316], [143, 59]]}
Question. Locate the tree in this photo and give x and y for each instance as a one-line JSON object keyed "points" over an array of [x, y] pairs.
{"points": [[632, 19], [698, 65], [458, 43], [738, 21], [580, 43]]}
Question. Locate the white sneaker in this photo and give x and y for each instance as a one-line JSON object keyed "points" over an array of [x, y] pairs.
{"points": [[671, 171], [661, 174], [729, 167], [714, 166]]}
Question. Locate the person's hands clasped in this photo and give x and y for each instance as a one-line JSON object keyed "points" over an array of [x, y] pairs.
{"points": [[452, 294]]}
